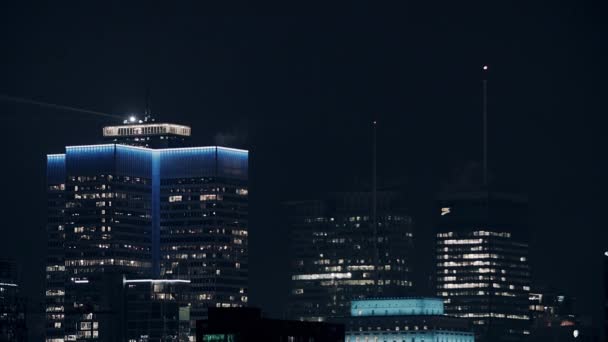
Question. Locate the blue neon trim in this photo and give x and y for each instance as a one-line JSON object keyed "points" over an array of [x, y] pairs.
{"points": [[55, 169]]}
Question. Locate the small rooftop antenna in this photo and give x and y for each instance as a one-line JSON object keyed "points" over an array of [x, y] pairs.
{"points": [[485, 125], [147, 111]]}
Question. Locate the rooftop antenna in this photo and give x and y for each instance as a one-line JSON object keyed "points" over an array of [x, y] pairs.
{"points": [[374, 209], [147, 112], [485, 125]]}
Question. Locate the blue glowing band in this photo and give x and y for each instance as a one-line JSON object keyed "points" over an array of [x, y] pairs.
{"points": [[397, 307], [55, 169]]}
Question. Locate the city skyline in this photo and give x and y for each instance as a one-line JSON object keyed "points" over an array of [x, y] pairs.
{"points": [[299, 90]]}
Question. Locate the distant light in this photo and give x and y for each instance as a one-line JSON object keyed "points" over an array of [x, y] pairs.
{"points": [[132, 118], [445, 211], [159, 281], [575, 333], [485, 67], [606, 253], [8, 284]]}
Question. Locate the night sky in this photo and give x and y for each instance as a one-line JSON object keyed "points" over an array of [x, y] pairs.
{"points": [[298, 85]]}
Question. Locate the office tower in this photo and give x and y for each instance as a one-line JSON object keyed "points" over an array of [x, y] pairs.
{"points": [[140, 212], [404, 319], [247, 324], [12, 304], [334, 253], [482, 262]]}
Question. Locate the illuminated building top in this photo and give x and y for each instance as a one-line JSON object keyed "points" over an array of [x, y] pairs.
{"points": [[148, 133], [145, 130], [415, 306]]}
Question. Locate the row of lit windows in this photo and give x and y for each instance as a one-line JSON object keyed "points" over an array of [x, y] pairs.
{"points": [[476, 233], [95, 262], [470, 256], [478, 263], [495, 315], [55, 293], [481, 285], [461, 241], [318, 276], [55, 268]]}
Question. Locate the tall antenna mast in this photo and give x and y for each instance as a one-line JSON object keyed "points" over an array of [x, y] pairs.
{"points": [[485, 126], [374, 209], [147, 113]]}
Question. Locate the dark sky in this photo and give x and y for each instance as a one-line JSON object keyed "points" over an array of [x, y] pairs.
{"points": [[298, 86]]}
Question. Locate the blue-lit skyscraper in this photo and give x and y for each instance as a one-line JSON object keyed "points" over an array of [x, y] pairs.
{"points": [[131, 210]]}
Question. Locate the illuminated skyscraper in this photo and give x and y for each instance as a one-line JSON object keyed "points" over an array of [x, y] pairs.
{"points": [[176, 213], [334, 255], [482, 263]]}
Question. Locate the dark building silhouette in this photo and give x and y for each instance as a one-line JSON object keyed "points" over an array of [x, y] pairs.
{"points": [[139, 212], [12, 304], [334, 255], [551, 308], [247, 324], [482, 268], [156, 310], [554, 318]]}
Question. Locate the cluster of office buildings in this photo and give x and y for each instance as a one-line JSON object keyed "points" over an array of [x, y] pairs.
{"points": [[148, 235]]}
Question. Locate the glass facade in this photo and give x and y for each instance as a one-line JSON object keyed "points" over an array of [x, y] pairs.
{"points": [[178, 213], [482, 268], [334, 256]]}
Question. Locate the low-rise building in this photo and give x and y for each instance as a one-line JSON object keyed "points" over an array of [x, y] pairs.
{"points": [[413, 319]]}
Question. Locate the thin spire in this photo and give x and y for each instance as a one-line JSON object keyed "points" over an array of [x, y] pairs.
{"points": [[374, 209], [485, 126]]}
